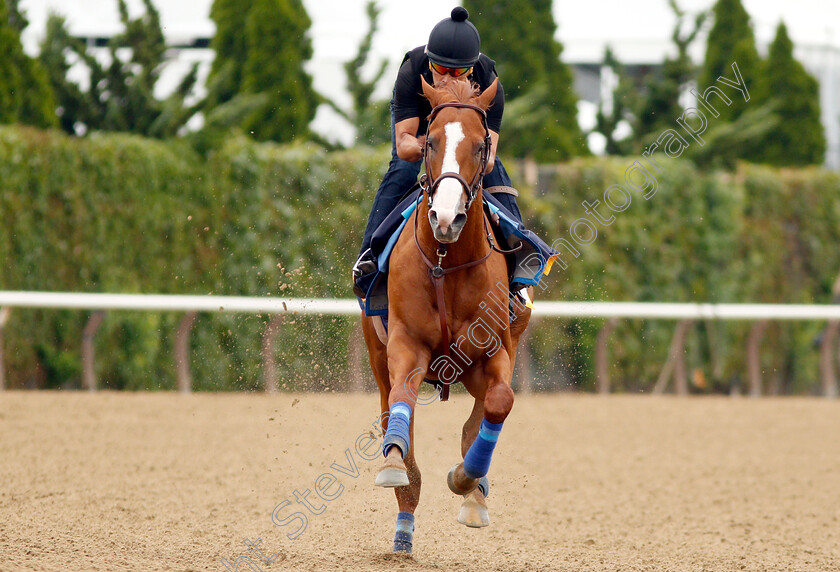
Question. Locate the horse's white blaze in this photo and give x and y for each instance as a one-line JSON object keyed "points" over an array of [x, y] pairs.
{"points": [[448, 196]]}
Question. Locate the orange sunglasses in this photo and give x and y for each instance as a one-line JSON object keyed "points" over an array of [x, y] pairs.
{"points": [[443, 70]]}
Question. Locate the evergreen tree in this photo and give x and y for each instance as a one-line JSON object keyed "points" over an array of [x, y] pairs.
{"points": [[619, 109], [799, 138], [371, 118], [278, 47], [519, 35], [661, 103], [731, 40], [120, 96], [230, 46], [25, 94], [72, 102], [10, 77]]}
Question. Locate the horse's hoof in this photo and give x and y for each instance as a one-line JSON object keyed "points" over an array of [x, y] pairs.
{"points": [[473, 511], [393, 472], [392, 478], [458, 482]]}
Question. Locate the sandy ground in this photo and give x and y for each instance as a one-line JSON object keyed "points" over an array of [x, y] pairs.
{"points": [[122, 481]]}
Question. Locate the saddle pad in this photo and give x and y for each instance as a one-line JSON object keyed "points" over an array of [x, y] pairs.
{"points": [[526, 266]]}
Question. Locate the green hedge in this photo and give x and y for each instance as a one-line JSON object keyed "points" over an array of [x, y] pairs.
{"points": [[117, 213], [759, 235]]}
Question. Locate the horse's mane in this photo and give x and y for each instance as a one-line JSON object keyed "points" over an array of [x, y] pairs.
{"points": [[458, 91]]}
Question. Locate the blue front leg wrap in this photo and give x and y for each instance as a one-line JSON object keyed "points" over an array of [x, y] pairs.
{"points": [[399, 418], [478, 457], [404, 538]]}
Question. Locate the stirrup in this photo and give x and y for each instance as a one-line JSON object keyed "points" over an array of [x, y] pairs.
{"points": [[365, 265]]}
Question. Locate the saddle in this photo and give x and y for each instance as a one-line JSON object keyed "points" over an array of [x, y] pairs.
{"points": [[531, 260]]}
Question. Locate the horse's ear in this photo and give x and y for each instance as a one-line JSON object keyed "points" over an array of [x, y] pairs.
{"points": [[429, 91], [486, 98]]}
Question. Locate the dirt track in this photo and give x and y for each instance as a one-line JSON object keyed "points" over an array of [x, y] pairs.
{"points": [[169, 482]]}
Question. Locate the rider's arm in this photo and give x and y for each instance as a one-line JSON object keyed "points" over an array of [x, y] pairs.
{"points": [[494, 121], [409, 146], [494, 140]]}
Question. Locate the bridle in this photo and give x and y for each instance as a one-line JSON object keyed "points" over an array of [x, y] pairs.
{"points": [[436, 271], [473, 187]]}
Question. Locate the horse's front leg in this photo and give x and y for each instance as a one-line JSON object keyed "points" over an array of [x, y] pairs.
{"points": [[407, 365]]}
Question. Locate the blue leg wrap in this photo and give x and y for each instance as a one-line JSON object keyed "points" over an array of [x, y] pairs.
{"points": [[399, 418], [477, 459], [484, 486], [404, 537]]}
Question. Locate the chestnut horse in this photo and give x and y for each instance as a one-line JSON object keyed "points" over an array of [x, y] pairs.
{"points": [[445, 272]]}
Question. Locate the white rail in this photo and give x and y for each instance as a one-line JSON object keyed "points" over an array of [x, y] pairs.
{"points": [[332, 306], [671, 311], [685, 313], [176, 303]]}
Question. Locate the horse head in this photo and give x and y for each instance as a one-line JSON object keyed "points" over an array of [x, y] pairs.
{"points": [[456, 153]]}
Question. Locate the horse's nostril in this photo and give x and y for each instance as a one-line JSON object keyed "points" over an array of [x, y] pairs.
{"points": [[460, 220], [433, 218]]}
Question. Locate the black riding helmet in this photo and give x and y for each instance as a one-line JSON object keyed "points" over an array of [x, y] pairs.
{"points": [[454, 42]]}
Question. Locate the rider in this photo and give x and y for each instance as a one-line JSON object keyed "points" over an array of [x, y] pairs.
{"points": [[452, 54]]}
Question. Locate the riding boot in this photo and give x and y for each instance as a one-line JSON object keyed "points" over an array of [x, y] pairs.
{"points": [[364, 267]]}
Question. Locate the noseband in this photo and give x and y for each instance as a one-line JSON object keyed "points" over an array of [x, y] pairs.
{"points": [[430, 184]]}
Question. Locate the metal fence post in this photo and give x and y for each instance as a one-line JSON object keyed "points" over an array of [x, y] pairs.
{"points": [[602, 356], [4, 317], [524, 366], [676, 362], [182, 352], [754, 356], [88, 361], [270, 384], [827, 347], [359, 369]]}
